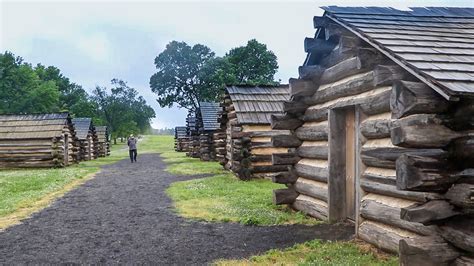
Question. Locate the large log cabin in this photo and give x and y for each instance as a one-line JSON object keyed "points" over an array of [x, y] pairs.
{"points": [[103, 141], [208, 126], [181, 139], [37, 140], [381, 120], [246, 123], [88, 140]]}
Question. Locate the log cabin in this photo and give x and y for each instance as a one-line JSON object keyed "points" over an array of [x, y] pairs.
{"points": [[103, 141], [37, 140], [210, 135], [181, 139], [246, 123], [193, 134], [88, 140], [382, 121]]}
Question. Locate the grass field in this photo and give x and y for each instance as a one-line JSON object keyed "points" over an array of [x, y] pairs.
{"points": [[316, 253]]}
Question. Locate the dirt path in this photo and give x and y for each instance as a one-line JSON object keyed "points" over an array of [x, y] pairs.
{"points": [[123, 215]]}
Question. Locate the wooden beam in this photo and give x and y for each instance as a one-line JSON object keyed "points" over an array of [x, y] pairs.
{"points": [[428, 212], [375, 129], [284, 158], [425, 251], [288, 177], [418, 173], [284, 196], [312, 72], [461, 195], [379, 212], [459, 231], [301, 87], [391, 190], [313, 152], [337, 166], [289, 141], [311, 188], [312, 133], [312, 172], [409, 98], [421, 131], [285, 122], [294, 107], [321, 46], [385, 157]]}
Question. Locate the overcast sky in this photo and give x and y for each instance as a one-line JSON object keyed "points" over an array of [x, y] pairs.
{"points": [[93, 42]]}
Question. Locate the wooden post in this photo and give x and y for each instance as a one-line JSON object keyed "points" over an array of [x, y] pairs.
{"points": [[337, 166]]}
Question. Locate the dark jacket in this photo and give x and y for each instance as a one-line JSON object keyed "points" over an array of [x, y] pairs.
{"points": [[132, 143]]}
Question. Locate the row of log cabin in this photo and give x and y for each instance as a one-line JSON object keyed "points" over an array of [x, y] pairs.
{"points": [[47, 140], [382, 122], [237, 132], [377, 130]]}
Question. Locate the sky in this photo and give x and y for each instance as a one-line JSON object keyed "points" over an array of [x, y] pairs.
{"points": [[93, 42]]}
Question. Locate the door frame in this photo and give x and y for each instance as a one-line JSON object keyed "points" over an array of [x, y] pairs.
{"points": [[337, 164]]}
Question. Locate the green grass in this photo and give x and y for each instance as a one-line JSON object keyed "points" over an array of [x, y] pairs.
{"points": [[317, 252], [224, 198]]}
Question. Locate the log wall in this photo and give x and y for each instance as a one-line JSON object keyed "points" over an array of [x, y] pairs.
{"points": [[414, 151]]}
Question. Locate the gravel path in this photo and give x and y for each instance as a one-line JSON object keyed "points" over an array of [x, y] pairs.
{"points": [[124, 216]]}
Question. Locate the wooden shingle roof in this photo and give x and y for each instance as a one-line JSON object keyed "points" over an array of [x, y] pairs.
{"points": [[33, 126], [255, 105], [82, 126], [180, 132], [210, 113], [102, 133], [435, 44]]}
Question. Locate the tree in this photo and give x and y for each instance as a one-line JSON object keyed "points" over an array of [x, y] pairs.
{"points": [[180, 75], [22, 91], [123, 110], [188, 75], [72, 98], [253, 63]]}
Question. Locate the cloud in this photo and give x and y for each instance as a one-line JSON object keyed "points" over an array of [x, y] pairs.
{"points": [[93, 42]]}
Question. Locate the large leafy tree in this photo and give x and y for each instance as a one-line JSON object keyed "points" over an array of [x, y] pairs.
{"points": [[253, 64], [72, 98], [122, 109], [22, 90], [188, 75], [179, 76]]}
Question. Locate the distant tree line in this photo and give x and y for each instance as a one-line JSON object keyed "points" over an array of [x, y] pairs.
{"points": [[187, 75], [39, 89]]}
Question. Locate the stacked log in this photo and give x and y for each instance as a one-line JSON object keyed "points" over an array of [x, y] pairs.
{"points": [[428, 122], [180, 139], [207, 122], [40, 140], [86, 139], [394, 141], [193, 140], [248, 134], [103, 143]]}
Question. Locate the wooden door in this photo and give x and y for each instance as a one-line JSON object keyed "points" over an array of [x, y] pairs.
{"points": [[350, 163]]}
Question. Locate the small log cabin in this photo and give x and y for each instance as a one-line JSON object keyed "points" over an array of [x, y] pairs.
{"points": [[246, 123], [181, 139], [207, 122], [381, 120], [88, 140], [193, 134], [103, 141], [37, 140]]}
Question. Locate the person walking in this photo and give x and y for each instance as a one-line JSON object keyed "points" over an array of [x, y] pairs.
{"points": [[132, 148]]}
